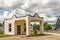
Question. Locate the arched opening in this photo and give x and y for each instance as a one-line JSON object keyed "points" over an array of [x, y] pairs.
{"points": [[35, 28], [20, 27]]}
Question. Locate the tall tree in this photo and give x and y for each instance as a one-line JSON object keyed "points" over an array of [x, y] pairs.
{"points": [[57, 23]]}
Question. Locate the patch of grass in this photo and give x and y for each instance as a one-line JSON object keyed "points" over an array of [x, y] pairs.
{"points": [[3, 35], [1, 32], [32, 33]]}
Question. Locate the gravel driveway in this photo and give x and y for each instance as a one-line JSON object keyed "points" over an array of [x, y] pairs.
{"points": [[22, 37]]}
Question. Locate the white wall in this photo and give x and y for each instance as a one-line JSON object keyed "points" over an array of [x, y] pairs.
{"points": [[6, 28]]}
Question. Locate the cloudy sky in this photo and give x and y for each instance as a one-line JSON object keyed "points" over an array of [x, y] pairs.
{"points": [[49, 9]]}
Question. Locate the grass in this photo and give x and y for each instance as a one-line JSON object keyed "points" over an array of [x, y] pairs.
{"points": [[3, 35], [32, 33]]}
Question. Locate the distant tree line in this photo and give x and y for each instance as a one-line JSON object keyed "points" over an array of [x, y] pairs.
{"points": [[1, 24], [47, 26]]}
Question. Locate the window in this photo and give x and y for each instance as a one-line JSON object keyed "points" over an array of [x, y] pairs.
{"points": [[24, 27], [9, 27]]}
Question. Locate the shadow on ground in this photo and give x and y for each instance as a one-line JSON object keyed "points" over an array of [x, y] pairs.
{"points": [[39, 35]]}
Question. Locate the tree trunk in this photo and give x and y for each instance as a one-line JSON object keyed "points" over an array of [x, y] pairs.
{"points": [[35, 31]]}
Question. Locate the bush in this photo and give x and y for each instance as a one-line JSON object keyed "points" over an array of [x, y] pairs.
{"points": [[1, 32], [1, 24], [47, 26]]}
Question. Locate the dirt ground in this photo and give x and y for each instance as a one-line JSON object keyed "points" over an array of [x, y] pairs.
{"points": [[41, 37]]}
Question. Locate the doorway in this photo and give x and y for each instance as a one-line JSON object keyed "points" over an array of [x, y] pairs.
{"points": [[18, 29]]}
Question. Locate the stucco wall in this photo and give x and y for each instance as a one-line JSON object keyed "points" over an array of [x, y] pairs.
{"points": [[6, 28]]}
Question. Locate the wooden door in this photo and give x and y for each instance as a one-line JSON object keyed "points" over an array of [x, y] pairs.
{"points": [[18, 29]]}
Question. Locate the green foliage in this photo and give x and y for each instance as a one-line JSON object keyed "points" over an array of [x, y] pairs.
{"points": [[47, 26], [36, 26], [57, 23], [3, 35], [1, 24]]}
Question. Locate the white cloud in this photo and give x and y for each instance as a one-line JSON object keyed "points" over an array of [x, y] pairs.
{"points": [[52, 19], [26, 5], [45, 1], [5, 15], [46, 8], [10, 3], [11, 14]]}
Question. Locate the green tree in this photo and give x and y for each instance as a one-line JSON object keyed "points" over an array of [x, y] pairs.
{"points": [[35, 27], [47, 26], [1, 24], [57, 24]]}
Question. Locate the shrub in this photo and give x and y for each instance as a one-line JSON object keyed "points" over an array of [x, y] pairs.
{"points": [[47, 26]]}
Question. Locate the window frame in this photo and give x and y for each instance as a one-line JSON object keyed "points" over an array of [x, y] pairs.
{"points": [[9, 27]]}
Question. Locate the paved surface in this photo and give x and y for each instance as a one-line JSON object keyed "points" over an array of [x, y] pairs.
{"points": [[22, 37], [56, 34]]}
